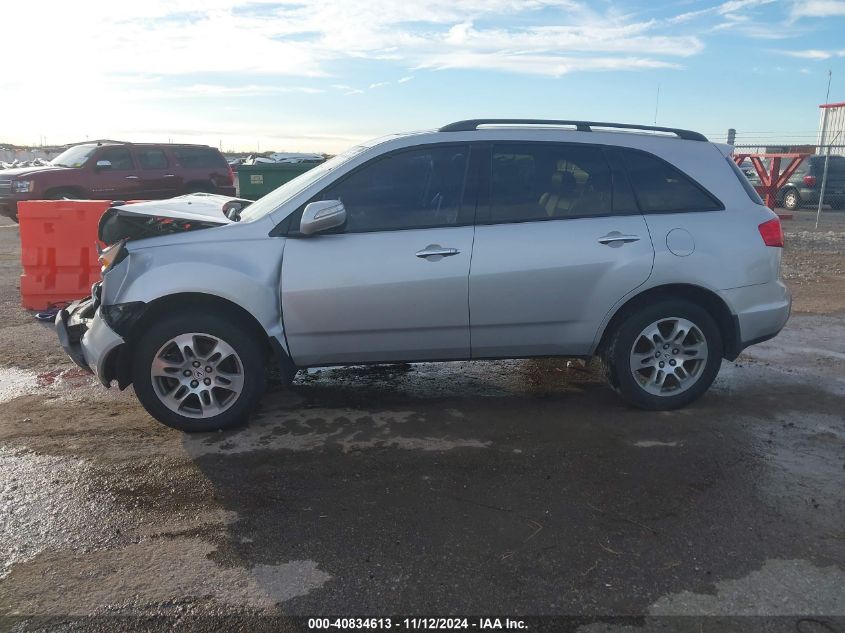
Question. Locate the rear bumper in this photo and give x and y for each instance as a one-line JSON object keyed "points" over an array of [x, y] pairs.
{"points": [[760, 312], [87, 339]]}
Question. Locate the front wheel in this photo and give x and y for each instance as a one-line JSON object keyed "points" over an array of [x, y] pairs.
{"points": [[199, 372], [665, 355]]}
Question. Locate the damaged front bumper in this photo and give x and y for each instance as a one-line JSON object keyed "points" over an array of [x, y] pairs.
{"points": [[86, 337]]}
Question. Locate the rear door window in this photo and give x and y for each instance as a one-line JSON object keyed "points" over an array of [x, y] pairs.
{"points": [[198, 157], [546, 181], [151, 158], [661, 188]]}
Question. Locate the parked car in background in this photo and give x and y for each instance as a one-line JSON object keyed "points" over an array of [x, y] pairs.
{"points": [[110, 170], [647, 248], [805, 185]]}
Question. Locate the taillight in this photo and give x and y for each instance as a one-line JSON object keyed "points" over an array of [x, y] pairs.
{"points": [[772, 233], [810, 181]]}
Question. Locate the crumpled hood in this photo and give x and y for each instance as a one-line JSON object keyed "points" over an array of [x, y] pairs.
{"points": [[161, 217]]}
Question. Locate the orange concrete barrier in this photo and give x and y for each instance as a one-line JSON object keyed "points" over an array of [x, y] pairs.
{"points": [[58, 250]]}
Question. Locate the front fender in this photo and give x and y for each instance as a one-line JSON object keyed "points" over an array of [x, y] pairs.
{"points": [[245, 272]]}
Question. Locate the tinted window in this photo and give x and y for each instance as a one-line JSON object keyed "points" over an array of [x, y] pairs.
{"points": [[151, 158], [198, 157], [414, 189], [541, 181], [119, 157], [835, 167], [659, 187]]}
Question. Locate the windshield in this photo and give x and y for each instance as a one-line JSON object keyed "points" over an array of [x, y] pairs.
{"points": [[278, 197], [74, 156]]}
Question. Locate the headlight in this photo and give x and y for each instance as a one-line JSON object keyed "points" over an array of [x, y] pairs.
{"points": [[121, 317], [111, 255], [23, 186]]}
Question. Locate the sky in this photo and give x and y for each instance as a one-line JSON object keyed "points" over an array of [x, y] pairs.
{"points": [[322, 75]]}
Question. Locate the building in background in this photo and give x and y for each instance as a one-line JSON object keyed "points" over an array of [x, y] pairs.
{"points": [[832, 127]]}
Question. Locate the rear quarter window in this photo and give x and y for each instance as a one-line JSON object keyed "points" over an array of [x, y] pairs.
{"points": [[661, 188], [198, 157]]}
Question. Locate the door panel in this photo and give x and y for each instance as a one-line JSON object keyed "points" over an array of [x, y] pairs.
{"points": [[368, 297], [157, 178], [121, 181], [543, 288]]}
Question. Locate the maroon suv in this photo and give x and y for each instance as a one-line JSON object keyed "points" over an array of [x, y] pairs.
{"points": [[109, 170]]}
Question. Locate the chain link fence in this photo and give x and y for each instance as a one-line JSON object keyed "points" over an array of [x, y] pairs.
{"points": [[820, 175]]}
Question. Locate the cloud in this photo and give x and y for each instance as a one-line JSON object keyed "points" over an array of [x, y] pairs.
{"points": [[403, 80], [814, 54], [817, 8], [380, 84], [308, 38]]}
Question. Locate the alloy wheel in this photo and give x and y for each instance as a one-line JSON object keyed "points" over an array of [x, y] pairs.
{"points": [[669, 356], [197, 375]]}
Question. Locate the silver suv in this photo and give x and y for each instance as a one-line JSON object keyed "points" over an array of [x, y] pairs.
{"points": [[484, 239]]}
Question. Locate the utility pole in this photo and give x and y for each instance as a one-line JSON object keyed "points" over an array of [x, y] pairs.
{"points": [[822, 139]]}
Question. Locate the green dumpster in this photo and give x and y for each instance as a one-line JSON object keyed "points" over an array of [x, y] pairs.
{"points": [[255, 181]]}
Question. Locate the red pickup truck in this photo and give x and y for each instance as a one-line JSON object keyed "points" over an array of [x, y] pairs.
{"points": [[109, 170]]}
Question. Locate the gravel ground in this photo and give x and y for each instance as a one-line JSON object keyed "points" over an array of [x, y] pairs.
{"points": [[507, 488]]}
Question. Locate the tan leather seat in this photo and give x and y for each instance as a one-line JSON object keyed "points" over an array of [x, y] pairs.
{"points": [[559, 200]]}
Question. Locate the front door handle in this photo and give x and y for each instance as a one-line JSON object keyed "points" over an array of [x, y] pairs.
{"points": [[435, 250], [616, 239], [132, 178]]}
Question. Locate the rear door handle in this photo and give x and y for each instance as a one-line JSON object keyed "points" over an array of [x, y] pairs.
{"points": [[132, 178], [615, 238], [435, 250]]}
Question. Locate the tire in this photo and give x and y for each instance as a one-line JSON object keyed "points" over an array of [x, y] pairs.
{"points": [[62, 194], [629, 347], [199, 187], [236, 380], [791, 199]]}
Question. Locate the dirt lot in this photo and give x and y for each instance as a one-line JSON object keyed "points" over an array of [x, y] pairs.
{"points": [[507, 488]]}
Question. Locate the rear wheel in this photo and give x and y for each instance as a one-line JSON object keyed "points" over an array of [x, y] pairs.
{"points": [[665, 355], [791, 199], [199, 372], [199, 187]]}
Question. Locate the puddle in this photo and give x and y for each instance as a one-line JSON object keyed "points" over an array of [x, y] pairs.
{"points": [[20, 382], [48, 502], [780, 587], [313, 429], [154, 572], [654, 443]]}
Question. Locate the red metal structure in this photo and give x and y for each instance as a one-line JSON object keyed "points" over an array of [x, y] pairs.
{"points": [[773, 180]]}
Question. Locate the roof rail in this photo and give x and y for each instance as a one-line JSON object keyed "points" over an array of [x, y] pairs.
{"points": [[581, 126]]}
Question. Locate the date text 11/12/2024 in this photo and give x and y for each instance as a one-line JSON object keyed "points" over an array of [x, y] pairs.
{"points": [[416, 623]]}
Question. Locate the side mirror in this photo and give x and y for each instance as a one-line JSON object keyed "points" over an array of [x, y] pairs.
{"points": [[232, 209], [322, 216], [103, 165]]}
